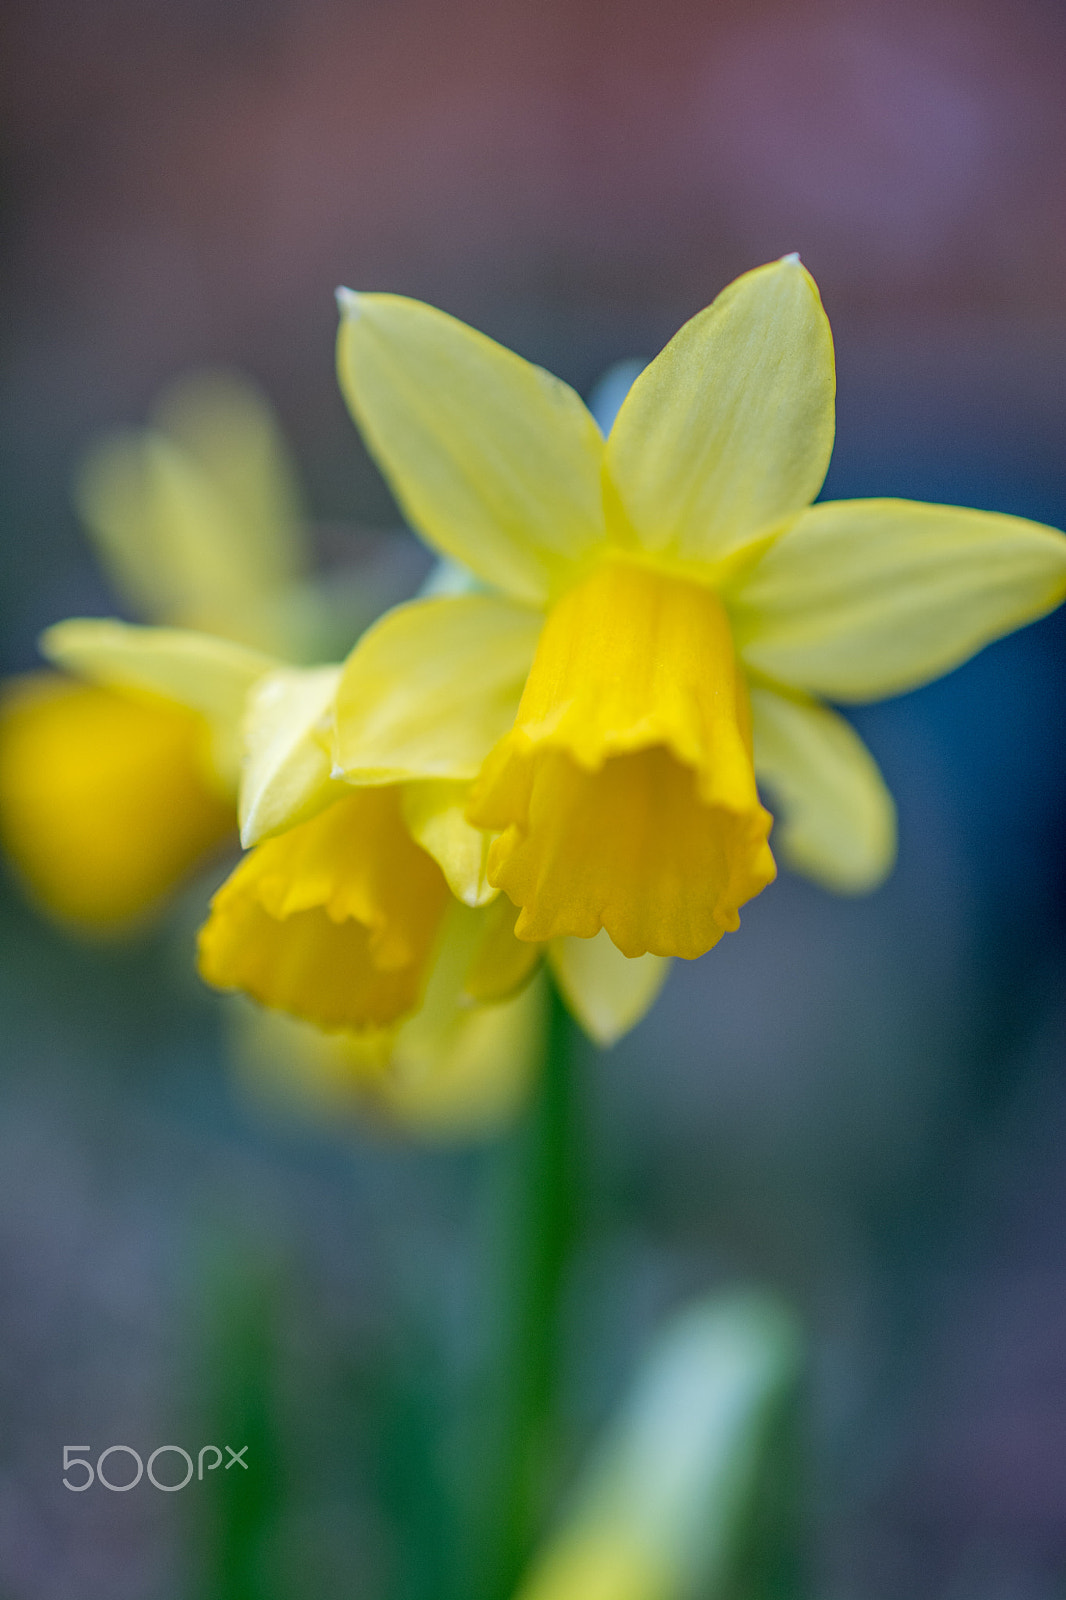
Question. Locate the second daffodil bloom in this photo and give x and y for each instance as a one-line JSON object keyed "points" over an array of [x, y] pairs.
{"points": [[667, 614], [367, 907], [118, 773]]}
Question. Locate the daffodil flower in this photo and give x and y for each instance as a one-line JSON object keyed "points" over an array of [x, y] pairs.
{"points": [[352, 901], [337, 914], [438, 1040], [118, 773], [668, 613]]}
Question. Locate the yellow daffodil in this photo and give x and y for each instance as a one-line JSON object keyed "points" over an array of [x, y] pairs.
{"points": [[343, 921], [118, 778], [106, 800], [422, 1007], [338, 916], [698, 609], [345, 907], [334, 920]]}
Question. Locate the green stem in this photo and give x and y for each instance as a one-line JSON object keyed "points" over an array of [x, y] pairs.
{"points": [[540, 1227], [238, 1513]]}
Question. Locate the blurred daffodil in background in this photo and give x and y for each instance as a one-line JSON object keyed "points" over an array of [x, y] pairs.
{"points": [[198, 519], [453, 1069], [667, 613], [429, 1034], [112, 788], [120, 772]]}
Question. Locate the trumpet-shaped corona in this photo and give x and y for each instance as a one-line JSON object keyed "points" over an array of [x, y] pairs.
{"points": [[624, 796], [334, 920]]}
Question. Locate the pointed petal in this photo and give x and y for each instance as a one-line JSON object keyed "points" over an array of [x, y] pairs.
{"points": [[606, 991], [206, 674], [493, 460], [866, 598], [230, 432], [434, 811], [502, 964], [457, 1068], [288, 730], [729, 431], [430, 688], [197, 521], [464, 1072], [836, 821], [159, 526]]}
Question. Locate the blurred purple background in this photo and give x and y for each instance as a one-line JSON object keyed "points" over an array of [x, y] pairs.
{"points": [[863, 1103]]}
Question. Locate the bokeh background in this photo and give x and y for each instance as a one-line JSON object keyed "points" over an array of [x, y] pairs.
{"points": [[862, 1104]]}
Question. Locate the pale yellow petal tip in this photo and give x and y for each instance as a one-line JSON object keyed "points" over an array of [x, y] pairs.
{"points": [[475, 898], [53, 643], [349, 303], [791, 260]]}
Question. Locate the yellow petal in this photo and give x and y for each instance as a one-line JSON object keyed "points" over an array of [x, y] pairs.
{"points": [[624, 794], [435, 812], [837, 820], [197, 521], [607, 993], [208, 675], [333, 921], [104, 807], [305, 964], [227, 428], [501, 964], [288, 1067], [465, 1072], [429, 688], [456, 1067], [493, 460], [288, 731], [729, 431], [160, 527], [865, 598], [451, 1071]]}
